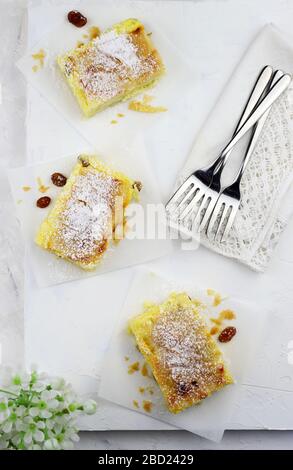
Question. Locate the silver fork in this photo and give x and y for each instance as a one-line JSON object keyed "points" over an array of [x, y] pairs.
{"points": [[228, 202], [196, 185], [195, 189]]}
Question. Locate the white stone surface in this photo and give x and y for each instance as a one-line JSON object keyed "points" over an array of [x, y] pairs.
{"points": [[12, 153]]}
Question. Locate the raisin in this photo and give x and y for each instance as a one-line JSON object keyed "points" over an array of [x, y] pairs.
{"points": [[227, 334], [137, 185], [185, 388], [77, 19], [58, 179], [43, 202], [84, 161]]}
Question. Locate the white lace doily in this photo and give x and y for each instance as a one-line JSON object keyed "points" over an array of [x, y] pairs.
{"points": [[265, 202], [267, 184]]}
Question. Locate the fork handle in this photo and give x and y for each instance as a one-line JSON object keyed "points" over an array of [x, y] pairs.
{"points": [[261, 84], [265, 104], [258, 90], [257, 131]]}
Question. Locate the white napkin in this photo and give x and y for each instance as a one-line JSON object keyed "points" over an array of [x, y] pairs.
{"points": [[267, 202]]}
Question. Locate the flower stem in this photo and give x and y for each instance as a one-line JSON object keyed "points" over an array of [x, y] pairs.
{"points": [[9, 393]]}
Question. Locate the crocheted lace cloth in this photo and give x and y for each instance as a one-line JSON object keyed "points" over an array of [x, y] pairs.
{"points": [[265, 201]]}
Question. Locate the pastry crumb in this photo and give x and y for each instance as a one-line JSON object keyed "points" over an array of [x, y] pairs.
{"points": [[120, 115], [217, 300], [135, 404], [133, 368], [19, 201], [144, 106], [141, 390], [94, 32], [26, 188], [41, 187], [114, 121], [147, 406], [217, 297], [214, 330], [144, 370], [223, 315], [126, 358], [227, 315], [35, 68], [40, 57]]}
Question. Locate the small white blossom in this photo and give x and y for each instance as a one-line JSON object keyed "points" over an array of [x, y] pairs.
{"points": [[39, 413], [4, 409], [90, 407], [52, 444]]}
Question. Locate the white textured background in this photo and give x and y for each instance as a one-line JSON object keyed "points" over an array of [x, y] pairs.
{"points": [[12, 148]]}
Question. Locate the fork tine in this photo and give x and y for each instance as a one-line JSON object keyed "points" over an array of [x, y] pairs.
{"points": [[191, 193], [180, 191], [196, 219], [222, 219], [214, 217], [198, 214], [230, 221], [209, 209], [191, 205]]}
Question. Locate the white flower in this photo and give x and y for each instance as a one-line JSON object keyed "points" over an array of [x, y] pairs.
{"points": [[33, 431], [20, 411], [19, 381], [52, 444], [41, 410], [4, 443], [49, 396], [90, 407], [4, 409], [38, 413]]}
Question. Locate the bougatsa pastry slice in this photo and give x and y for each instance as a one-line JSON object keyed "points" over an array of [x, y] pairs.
{"points": [[81, 223], [185, 360], [113, 67]]}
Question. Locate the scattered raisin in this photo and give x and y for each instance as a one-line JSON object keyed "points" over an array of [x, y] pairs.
{"points": [[43, 202], [227, 334], [77, 19], [137, 185], [183, 388], [84, 161], [58, 179]]}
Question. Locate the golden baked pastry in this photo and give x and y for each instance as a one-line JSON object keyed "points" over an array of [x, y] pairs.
{"points": [[81, 223], [185, 360], [113, 67]]}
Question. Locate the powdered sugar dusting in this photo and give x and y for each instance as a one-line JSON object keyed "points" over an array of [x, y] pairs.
{"points": [[84, 225], [184, 350], [120, 47], [109, 64]]}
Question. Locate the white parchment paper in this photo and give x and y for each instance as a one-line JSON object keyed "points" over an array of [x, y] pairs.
{"points": [[98, 130], [208, 419], [49, 269]]}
